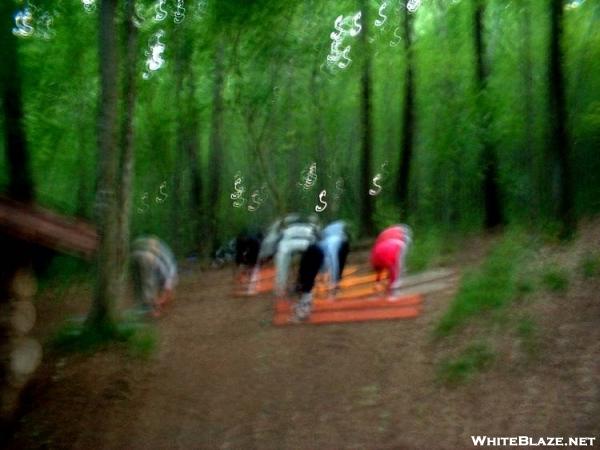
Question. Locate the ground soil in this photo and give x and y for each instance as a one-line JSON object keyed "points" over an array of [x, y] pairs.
{"points": [[223, 377]]}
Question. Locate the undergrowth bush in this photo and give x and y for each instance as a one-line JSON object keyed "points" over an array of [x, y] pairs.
{"points": [[77, 336], [473, 359], [555, 279], [493, 285]]}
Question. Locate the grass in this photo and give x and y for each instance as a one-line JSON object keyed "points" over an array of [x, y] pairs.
{"points": [[590, 265], [555, 280], [428, 249], [423, 251], [77, 336], [492, 286], [475, 358]]}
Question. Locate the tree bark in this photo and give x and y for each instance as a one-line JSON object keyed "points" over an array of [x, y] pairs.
{"points": [[192, 150], [107, 290], [17, 255], [560, 144], [20, 185], [407, 139], [216, 142], [366, 152], [530, 152], [125, 175], [491, 190]]}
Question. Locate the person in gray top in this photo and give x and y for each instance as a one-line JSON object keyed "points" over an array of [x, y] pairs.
{"points": [[286, 237], [154, 274]]}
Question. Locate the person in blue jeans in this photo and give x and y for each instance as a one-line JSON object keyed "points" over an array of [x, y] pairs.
{"points": [[328, 255], [335, 245]]}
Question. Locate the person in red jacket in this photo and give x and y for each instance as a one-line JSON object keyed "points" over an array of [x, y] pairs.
{"points": [[402, 232], [389, 253]]}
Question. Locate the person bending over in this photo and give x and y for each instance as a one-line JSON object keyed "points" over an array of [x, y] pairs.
{"points": [[389, 254], [335, 246], [247, 247], [154, 273], [295, 239], [328, 255]]}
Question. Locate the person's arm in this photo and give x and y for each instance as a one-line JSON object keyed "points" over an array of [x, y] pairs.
{"points": [[164, 298]]}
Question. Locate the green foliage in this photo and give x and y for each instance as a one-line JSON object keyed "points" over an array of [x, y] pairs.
{"points": [[282, 101], [138, 337], [590, 265], [525, 286], [475, 358], [430, 247], [555, 279], [63, 270], [490, 287]]}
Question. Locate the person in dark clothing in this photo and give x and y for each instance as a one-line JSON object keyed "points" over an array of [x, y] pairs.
{"points": [[327, 255], [310, 265], [247, 247]]}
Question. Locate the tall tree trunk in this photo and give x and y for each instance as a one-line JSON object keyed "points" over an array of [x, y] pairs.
{"points": [[107, 289], [188, 144], [367, 227], [491, 190], [294, 163], [20, 179], [178, 204], [407, 117], [529, 154], [319, 133], [16, 255], [82, 200], [560, 144], [125, 175], [192, 150], [216, 142]]}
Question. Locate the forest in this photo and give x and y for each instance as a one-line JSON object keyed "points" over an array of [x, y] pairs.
{"points": [[198, 120]]}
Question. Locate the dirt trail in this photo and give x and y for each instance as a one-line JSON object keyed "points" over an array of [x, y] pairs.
{"points": [[225, 378]]}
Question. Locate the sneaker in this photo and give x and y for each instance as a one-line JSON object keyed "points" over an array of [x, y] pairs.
{"points": [[305, 300], [300, 314]]}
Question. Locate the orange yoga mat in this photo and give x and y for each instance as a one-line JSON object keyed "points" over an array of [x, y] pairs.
{"points": [[268, 273], [266, 280], [265, 273], [283, 306], [351, 293], [353, 315]]}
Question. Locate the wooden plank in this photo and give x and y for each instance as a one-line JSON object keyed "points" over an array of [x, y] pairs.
{"points": [[361, 286], [283, 306], [37, 225], [330, 317], [426, 277], [428, 288], [424, 283]]}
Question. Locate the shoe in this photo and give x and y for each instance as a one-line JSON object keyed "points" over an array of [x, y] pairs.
{"points": [[300, 314]]}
